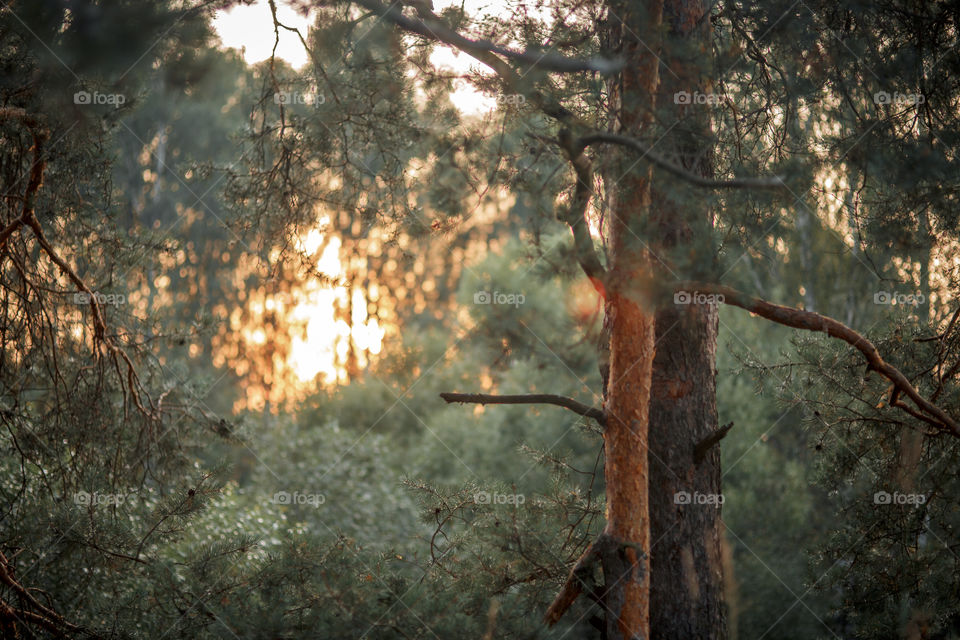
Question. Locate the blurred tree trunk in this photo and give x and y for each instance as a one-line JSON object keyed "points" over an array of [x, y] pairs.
{"points": [[850, 205], [800, 135]]}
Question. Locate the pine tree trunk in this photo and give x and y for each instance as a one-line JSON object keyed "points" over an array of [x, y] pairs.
{"points": [[686, 558], [624, 553], [682, 595]]}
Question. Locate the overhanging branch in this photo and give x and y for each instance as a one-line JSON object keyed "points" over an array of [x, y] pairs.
{"points": [[811, 321], [38, 614], [99, 324], [434, 29], [37, 167], [646, 153], [431, 26], [531, 398]]}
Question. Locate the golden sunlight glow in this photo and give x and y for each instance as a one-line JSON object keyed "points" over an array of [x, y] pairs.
{"points": [[314, 352], [249, 28], [464, 97], [293, 334], [324, 343]]}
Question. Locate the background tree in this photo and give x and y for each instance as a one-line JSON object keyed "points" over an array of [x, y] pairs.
{"points": [[212, 196]]}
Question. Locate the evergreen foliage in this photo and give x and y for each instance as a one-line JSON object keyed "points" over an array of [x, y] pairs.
{"points": [[155, 480]]}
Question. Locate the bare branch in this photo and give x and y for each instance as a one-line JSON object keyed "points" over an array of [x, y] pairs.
{"points": [[647, 153], [811, 321], [430, 26], [576, 214], [532, 398], [702, 447]]}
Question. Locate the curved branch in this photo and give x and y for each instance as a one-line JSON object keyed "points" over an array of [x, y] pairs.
{"points": [[430, 26], [576, 214], [647, 153], [531, 398], [486, 53], [811, 321]]}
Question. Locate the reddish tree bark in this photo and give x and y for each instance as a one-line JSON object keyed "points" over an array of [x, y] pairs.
{"points": [[630, 320]]}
